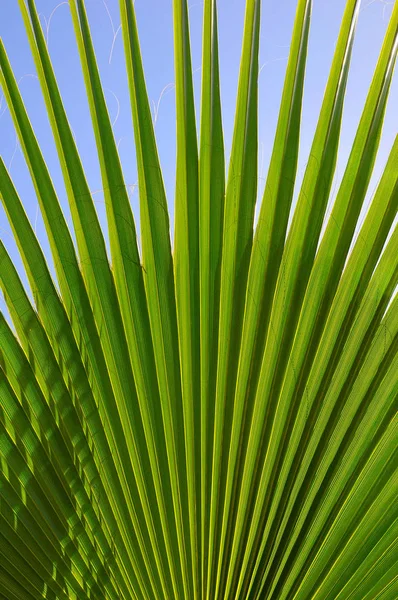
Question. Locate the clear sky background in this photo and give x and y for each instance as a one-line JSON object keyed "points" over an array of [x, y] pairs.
{"points": [[155, 28]]}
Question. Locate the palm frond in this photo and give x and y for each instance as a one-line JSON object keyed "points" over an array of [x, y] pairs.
{"points": [[214, 416]]}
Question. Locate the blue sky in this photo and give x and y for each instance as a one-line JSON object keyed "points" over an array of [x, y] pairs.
{"points": [[155, 28]]}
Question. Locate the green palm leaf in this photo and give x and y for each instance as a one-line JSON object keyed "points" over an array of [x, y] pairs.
{"points": [[213, 417]]}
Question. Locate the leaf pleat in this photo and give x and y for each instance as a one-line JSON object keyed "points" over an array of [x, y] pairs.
{"points": [[211, 216], [240, 198], [159, 285], [186, 273]]}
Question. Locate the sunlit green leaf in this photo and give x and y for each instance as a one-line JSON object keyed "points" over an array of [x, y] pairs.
{"points": [[210, 414]]}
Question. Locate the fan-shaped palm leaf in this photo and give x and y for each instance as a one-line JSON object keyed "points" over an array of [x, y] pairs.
{"points": [[213, 418]]}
